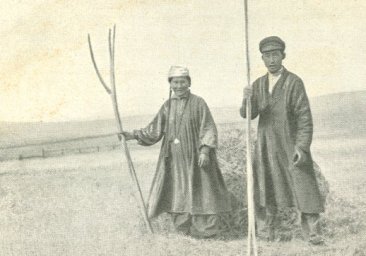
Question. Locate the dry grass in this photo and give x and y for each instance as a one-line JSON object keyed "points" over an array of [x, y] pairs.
{"points": [[83, 205]]}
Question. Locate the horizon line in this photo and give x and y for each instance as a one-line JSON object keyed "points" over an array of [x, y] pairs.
{"points": [[152, 113]]}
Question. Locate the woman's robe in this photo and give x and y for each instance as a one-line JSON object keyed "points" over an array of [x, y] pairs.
{"points": [[179, 184], [285, 122]]}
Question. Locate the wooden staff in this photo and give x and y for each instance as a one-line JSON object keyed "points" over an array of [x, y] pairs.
{"points": [[252, 242], [112, 92]]}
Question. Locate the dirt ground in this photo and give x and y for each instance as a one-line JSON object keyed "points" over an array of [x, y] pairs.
{"points": [[84, 205]]}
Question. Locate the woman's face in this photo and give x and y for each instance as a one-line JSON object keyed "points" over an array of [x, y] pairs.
{"points": [[179, 85]]}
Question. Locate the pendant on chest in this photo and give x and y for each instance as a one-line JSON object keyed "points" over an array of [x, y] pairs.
{"points": [[176, 141]]}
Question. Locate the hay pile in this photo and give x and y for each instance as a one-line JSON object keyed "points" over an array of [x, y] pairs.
{"points": [[232, 158]]}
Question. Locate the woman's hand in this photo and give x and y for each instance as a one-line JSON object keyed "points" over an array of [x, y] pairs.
{"points": [[127, 135], [203, 160]]}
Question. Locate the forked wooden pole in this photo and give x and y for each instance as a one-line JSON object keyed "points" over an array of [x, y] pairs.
{"points": [[252, 242], [112, 92]]}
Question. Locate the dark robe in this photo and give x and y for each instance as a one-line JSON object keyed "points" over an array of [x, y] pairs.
{"points": [[179, 184], [285, 122]]}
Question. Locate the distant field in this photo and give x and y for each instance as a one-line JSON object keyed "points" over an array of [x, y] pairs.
{"points": [[342, 114], [56, 145]]}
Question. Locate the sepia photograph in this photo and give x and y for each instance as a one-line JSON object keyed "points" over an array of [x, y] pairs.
{"points": [[182, 128]]}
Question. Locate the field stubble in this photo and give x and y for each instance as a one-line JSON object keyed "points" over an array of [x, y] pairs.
{"points": [[84, 205]]}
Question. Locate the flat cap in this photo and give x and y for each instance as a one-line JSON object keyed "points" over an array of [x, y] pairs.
{"points": [[271, 43]]}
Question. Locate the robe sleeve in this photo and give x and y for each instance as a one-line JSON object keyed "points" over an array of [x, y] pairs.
{"points": [[154, 131], [208, 130], [254, 103], [302, 117]]}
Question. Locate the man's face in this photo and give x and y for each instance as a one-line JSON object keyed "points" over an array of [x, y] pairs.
{"points": [[179, 85], [273, 60]]}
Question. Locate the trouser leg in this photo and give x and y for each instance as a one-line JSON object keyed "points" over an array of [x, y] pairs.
{"points": [[266, 222], [205, 226], [182, 222], [310, 227]]}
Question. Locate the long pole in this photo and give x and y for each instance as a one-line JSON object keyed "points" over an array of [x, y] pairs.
{"points": [[252, 243], [120, 128], [112, 92]]}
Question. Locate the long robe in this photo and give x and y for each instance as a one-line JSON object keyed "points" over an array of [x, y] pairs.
{"points": [[179, 184], [285, 122]]}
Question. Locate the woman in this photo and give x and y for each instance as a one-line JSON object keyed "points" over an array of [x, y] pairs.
{"points": [[188, 183]]}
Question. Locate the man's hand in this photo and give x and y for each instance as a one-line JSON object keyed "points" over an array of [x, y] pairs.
{"points": [[127, 135], [203, 160], [299, 157], [248, 92]]}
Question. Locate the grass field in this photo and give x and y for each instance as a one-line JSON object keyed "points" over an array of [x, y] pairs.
{"points": [[84, 204]]}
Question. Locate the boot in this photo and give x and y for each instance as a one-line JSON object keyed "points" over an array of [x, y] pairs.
{"points": [[266, 222], [310, 227]]}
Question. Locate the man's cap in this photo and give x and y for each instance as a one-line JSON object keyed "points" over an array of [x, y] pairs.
{"points": [[271, 43], [178, 71]]}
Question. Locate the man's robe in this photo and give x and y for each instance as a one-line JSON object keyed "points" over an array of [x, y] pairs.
{"points": [[179, 184], [285, 122]]}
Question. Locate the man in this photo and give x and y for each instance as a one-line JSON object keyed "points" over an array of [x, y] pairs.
{"points": [[283, 166], [188, 183]]}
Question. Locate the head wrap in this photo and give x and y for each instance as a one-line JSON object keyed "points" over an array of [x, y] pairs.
{"points": [[177, 71], [271, 43]]}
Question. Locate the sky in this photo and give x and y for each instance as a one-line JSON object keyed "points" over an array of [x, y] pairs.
{"points": [[46, 72]]}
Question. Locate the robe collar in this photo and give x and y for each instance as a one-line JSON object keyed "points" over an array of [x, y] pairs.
{"points": [[184, 96], [267, 100]]}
